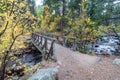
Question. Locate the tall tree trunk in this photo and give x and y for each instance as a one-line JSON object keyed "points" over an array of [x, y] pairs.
{"points": [[63, 14]]}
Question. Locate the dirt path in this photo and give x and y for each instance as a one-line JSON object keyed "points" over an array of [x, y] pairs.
{"points": [[76, 66]]}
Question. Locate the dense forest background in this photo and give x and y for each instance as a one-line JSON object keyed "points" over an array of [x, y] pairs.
{"points": [[84, 20], [81, 19]]}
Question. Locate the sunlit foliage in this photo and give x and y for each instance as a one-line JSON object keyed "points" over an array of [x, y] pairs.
{"points": [[15, 20]]}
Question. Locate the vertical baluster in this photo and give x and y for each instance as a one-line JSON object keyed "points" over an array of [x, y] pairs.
{"points": [[74, 44], [34, 37], [64, 40], [57, 37], [45, 44], [50, 53], [39, 41]]}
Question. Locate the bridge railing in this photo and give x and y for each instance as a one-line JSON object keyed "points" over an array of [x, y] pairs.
{"points": [[63, 40], [43, 44]]}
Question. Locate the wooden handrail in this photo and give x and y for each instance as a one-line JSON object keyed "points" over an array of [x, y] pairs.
{"points": [[45, 43], [42, 44], [64, 40]]}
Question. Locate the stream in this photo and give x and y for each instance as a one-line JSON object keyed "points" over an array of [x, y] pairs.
{"points": [[106, 45]]}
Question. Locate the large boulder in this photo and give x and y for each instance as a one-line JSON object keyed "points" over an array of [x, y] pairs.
{"points": [[45, 74]]}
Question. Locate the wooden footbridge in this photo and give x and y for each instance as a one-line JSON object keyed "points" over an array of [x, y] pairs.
{"points": [[69, 61], [45, 43]]}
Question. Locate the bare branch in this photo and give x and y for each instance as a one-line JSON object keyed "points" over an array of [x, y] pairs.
{"points": [[3, 31]]}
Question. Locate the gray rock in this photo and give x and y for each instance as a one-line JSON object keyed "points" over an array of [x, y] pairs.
{"points": [[116, 61], [15, 78], [45, 74]]}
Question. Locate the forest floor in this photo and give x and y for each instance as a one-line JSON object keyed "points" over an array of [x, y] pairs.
{"points": [[77, 66]]}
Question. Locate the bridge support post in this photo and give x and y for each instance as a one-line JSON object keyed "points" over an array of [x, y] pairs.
{"points": [[64, 40], [74, 44], [51, 51]]}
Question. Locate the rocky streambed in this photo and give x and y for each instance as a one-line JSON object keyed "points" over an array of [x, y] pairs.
{"points": [[27, 61], [106, 45], [22, 60]]}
